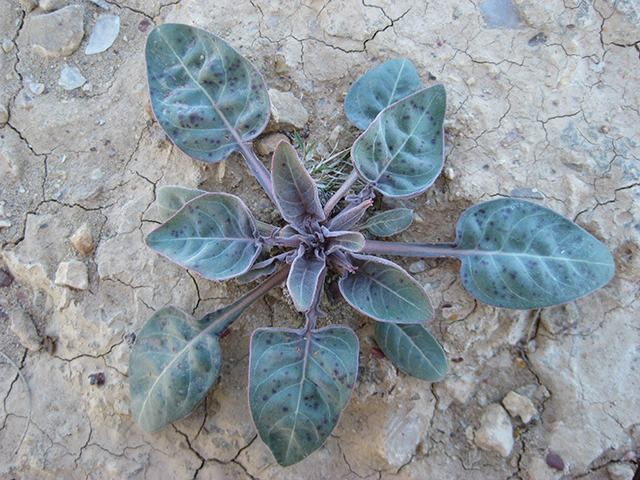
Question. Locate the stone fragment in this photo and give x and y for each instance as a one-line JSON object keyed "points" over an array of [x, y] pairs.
{"points": [[6, 278], [36, 88], [51, 5], [82, 239], [71, 78], [620, 471], [4, 115], [25, 330], [418, 266], [73, 274], [287, 111], [28, 5], [56, 34], [404, 436], [560, 318], [7, 45], [454, 388], [495, 432], [104, 33], [519, 406], [554, 461], [267, 145]]}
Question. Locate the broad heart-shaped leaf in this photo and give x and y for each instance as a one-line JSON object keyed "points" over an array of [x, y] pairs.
{"points": [[385, 292], [379, 88], [307, 271], [412, 349], [402, 152], [173, 365], [205, 95], [294, 189], [517, 254], [170, 199], [389, 223], [299, 383], [213, 234]]}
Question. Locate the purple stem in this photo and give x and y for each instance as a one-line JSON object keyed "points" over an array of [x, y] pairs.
{"points": [[333, 201], [427, 250]]}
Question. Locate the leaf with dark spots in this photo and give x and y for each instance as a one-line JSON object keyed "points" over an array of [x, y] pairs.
{"points": [[205, 95], [385, 292], [517, 254], [170, 199], [402, 151], [379, 88], [295, 191], [299, 383], [213, 234], [413, 350]]}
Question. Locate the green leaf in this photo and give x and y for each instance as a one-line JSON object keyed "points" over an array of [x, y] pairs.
{"points": [[206, 96], [413, 350], [389, 223], [173, 365], [402, 152], [299, 383], [349, 241], [379, 88], [294, 189], [170, 199], [307, 272], [517, 254], [382, 290], [213, 234]]}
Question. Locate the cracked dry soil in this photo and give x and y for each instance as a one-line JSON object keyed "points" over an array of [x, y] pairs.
{"points": [[543, 104]]}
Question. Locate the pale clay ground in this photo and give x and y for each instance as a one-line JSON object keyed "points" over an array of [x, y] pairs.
{"points": [[555, 120]]}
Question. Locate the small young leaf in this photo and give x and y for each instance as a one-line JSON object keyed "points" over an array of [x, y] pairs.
{"points": [[213, 234], [379, 88], [306, 273], [299, 383], [385, 292], [204, 94], [349, 241], [402, 152], [389, 223], [294, 189], [173, 365], [517, 254], [170, 199], [412, 349]]}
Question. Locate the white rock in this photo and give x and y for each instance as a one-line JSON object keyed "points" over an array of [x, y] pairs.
{"points": [[418, 266], [454, 388], [495, 432], [71, 78], [4, 115], [36, 88], [403, 437], [287, 110], [105, 32], [7, 45], [519, 406], [73, 274]]}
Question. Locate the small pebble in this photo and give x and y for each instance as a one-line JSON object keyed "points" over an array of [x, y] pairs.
{"points": [[97, 379], [4, 115], [6, 278], [7, 45], [82, 239], [36, 88], [22, 325], [418, 267], [105, 32], [378, 353], [554, 461], [71, 78], [538, 39], [73, 274]]}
